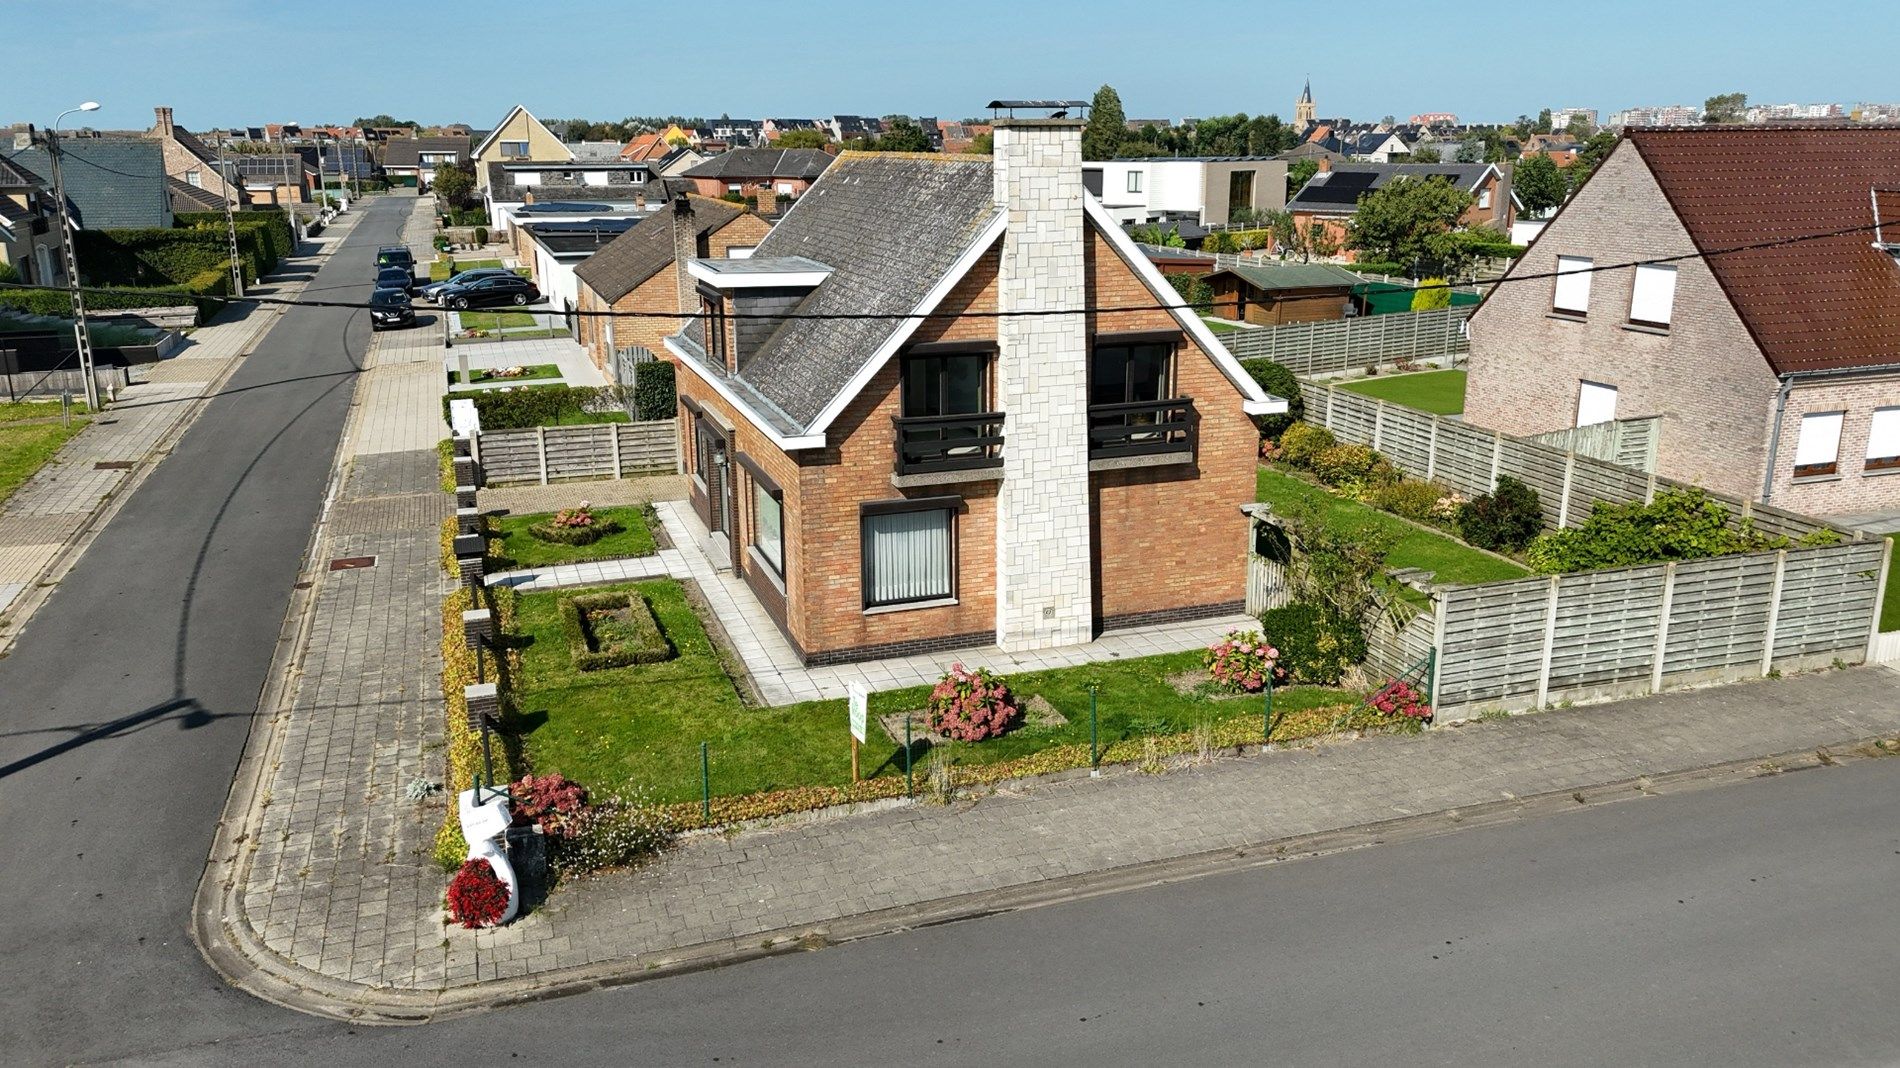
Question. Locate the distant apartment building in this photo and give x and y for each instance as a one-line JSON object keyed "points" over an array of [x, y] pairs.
{"points": [[1561, 118], [1784, 112], [1434, 118], [1865, 112], [1665, 115]]}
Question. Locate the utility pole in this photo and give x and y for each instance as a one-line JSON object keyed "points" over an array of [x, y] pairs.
{"points": [[82, 336], [230, 225]]}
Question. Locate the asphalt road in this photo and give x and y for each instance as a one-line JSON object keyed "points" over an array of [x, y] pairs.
{"points": [[125, 704]]}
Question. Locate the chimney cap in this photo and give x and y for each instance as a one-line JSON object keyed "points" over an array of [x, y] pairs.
{"points": [[1036, 105], [681, 205]]}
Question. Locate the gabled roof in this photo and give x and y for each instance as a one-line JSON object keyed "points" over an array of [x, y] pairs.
{"points": [[1812, 305], [407, 151], [646, 250], [111, 183], [806, 163], [482, 146], [12, 177], [1338, 191], [187, 197], [1285, 276]]}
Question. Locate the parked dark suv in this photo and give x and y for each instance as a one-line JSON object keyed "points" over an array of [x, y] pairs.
{"points": [[396, 277], [395, 256], [390, 308], [495, 289]]}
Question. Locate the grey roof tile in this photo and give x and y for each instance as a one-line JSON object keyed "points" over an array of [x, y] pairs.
{"points": [[806, 163], [111, 183]]}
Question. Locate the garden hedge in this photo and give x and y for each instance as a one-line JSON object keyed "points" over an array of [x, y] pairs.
{"points": [[647, 646], [532, 406], [464, 745], [654, 393]]}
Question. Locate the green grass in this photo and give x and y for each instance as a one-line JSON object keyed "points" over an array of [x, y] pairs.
{"points": [[641, 726], [1219, 326], [20, 411], [441, 270], [1451, 560], [1890, 603], [26, 449], [518, 548], [1442, 392], [535, 371], [481, 320]]}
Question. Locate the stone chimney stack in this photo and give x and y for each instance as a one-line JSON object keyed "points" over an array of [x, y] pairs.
{"points": [[768, 201], [685, 247], [164, 124], [1325, 164], [1044, 577]]}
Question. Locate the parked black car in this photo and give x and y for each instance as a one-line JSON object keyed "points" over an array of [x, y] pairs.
{"points": [[390, 308], [430, 290], [396, 278], [395, 255], [495, 289]]}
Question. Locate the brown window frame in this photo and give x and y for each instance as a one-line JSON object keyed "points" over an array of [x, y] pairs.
{"points": [[950, 504]]}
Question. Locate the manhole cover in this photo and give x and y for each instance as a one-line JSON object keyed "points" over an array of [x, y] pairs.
{"points": [[352, 563], [113, 465]]}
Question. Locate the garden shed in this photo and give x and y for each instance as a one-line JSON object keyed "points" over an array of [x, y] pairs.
{"points": [[1277, 293]]}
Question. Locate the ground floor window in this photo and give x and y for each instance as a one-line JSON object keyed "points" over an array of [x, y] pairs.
{"points": [[768, 526], [909, 555]]}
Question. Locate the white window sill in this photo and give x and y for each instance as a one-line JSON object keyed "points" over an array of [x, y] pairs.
{"points": [[1876, 472], [1645, 328], [886, 609], [764, 567]]}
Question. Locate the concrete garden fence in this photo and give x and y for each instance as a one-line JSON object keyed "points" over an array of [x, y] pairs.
{"points": [[568, 453], [1351, 344], [1624, 442]]}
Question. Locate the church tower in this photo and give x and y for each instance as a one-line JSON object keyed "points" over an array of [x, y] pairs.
{"points": [[1304, 113]]}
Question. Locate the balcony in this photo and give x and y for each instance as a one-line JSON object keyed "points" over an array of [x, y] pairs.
{"points": [[1163, 429], [942, 444]]}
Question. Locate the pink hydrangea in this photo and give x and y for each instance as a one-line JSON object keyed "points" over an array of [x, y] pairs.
{"points": [[1242, 662], [969, 706], [1400, 700]]}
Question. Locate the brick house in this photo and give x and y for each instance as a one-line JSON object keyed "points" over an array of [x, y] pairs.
{"points": [[29, 227], [640, 271], [1331, 196], [188, 160], [897, 485], [1776, 370], [747, 172]]}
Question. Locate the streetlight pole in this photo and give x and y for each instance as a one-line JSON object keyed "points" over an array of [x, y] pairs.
{"points": [[82, 336]]}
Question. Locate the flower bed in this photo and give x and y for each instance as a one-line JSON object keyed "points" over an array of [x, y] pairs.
{"points": [[612, 630], [463, 757], [574, 526], [477, 897], [626, 531]]}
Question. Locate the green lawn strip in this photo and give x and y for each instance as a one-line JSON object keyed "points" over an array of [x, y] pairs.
{"points": [[1451, 560], [1442, 392], [640, 726], [25, 449], [20, 411], [535, 371], [1890, 603], [1219, 326], [517, 548], [480, 320]]}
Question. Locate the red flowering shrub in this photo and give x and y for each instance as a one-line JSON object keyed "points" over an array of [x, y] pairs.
{"points": [[1242, 661], [554, 801], [581, 515], [970, 706], [477, 896], [1400, 700]]}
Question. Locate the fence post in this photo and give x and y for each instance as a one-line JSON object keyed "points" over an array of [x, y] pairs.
{"points": [[1662, 626], [1649, 492], [705, 782], [613, 432], [1550, 641], [1570, 473], [1880, 596], [1438, 649], [1497, 456], [1327, 419], [1431, 451], [1774, 613], [1378, 423], [541, 450]]}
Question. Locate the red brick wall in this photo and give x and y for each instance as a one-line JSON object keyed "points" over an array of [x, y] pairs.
{"points": [[750, 187]]}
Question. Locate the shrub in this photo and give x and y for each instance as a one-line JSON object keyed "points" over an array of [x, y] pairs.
{"points": [[463, 757], [1400, 701], [654, 394], [598, 640], [555, 802], [1431, 294], [1504, 520], [574, 526], [969, 706], [1303, 442], [1315, 645], [1408, 497], [1242, 662], [530, 406], [613, 833], [1817, 538], [9, 273], [481, 235], [477, 896], [1277, 380], [1343, 465], [1677, 525]]}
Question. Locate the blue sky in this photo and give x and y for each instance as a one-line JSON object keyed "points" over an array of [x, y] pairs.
{"points": [[220, 62]]}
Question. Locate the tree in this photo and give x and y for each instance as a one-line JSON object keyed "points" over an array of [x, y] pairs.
{"points": [[982, 144], [1594, 151], [386, 119], [1108, 126], [1539, 184], [1426, 154], [1298, 173], [454, 184], [1725, 107], [903, 136], [1431, 294], [1398, 222], [1579, 128], [802, 139], [1542, 125], [1471, 149]]}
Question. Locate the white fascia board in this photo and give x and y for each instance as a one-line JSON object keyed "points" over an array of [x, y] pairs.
{"points": [[791, 443], [990, 235], [755, 279], [1255, 401]]}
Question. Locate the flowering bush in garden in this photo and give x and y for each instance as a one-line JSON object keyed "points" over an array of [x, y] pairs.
{"points": [[1400, 701], [517, 371], [581, 515], [1242, 662], [1445, 510], [969, 706], [574, 526], [554, 801], [477, 896]]}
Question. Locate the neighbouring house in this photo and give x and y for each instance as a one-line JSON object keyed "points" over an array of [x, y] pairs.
{"points": [[746, 172], [1331, 196], [188, 160], [29, 227], [552, 250], [901, 485], [271, 179], [592, 151], [1272, 294], [644, 270], [1769, 344], [190, 198], [518, 138], [853, 127], [959, 136], [774, 128], [511, 186], [1209, 190], [112, 183], [1378, 147], [413, 160]]}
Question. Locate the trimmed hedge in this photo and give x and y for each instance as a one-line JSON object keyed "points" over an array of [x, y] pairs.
{"points": [[655, 395], [645, 645], [532, 406], [199, 289], [1315, 645]]}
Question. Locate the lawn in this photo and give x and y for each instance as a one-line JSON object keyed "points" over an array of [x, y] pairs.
{"points": [[25, 449], [535, 371], [441, 270], [515, 547], [1451, 560], [1442, 392], [481, 320], [1890, 604], [1219, 326], [640, 726]]}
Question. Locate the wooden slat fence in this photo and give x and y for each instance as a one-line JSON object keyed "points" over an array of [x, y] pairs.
{"points": [[1351, 344], [568, 453]]}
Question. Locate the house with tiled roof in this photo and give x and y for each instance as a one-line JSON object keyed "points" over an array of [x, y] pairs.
{"points": [[29, 227], [1331, 196], [747, 172], [189, 160], [518, 138], [898, 451], [413, 160], [112, 183], [1766, 338]]}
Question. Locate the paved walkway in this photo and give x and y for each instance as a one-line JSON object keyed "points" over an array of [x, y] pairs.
{"points": [[54, 510], [576, 368]]}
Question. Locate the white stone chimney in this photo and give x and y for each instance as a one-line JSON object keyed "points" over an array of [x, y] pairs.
{"points": [[1044, 573]]}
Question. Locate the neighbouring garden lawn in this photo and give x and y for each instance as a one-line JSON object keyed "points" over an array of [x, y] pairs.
{"points": [[516, 548], [1442, 392], [1890, 603], [1451, 560], [1219, 326], [26, 449], [441, 270], [483, 320], [535, 371], [640, 727]]}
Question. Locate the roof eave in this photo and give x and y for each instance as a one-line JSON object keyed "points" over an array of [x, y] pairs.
{"points": [[785, 442]]}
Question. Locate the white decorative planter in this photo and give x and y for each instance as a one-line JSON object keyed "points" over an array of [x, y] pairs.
{"points": [[485, 827]]}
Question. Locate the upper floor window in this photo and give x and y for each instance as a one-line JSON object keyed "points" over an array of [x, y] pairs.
{"points": [[1573, 285], [1818, 450], [947, 384], [1883, 440], [1484, 198], [713, 325], [1131, 373], [194, 178], [1653, 297], [514, 149], [1134, 181]]}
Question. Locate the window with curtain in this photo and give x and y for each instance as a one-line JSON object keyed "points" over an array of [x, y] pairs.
{"points": [[947, 384], [768, 526], [1817, 451], [1573, 285], [514, 149], [1123, 374], [1653, 298], [1883, 440], [907, 557]]}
